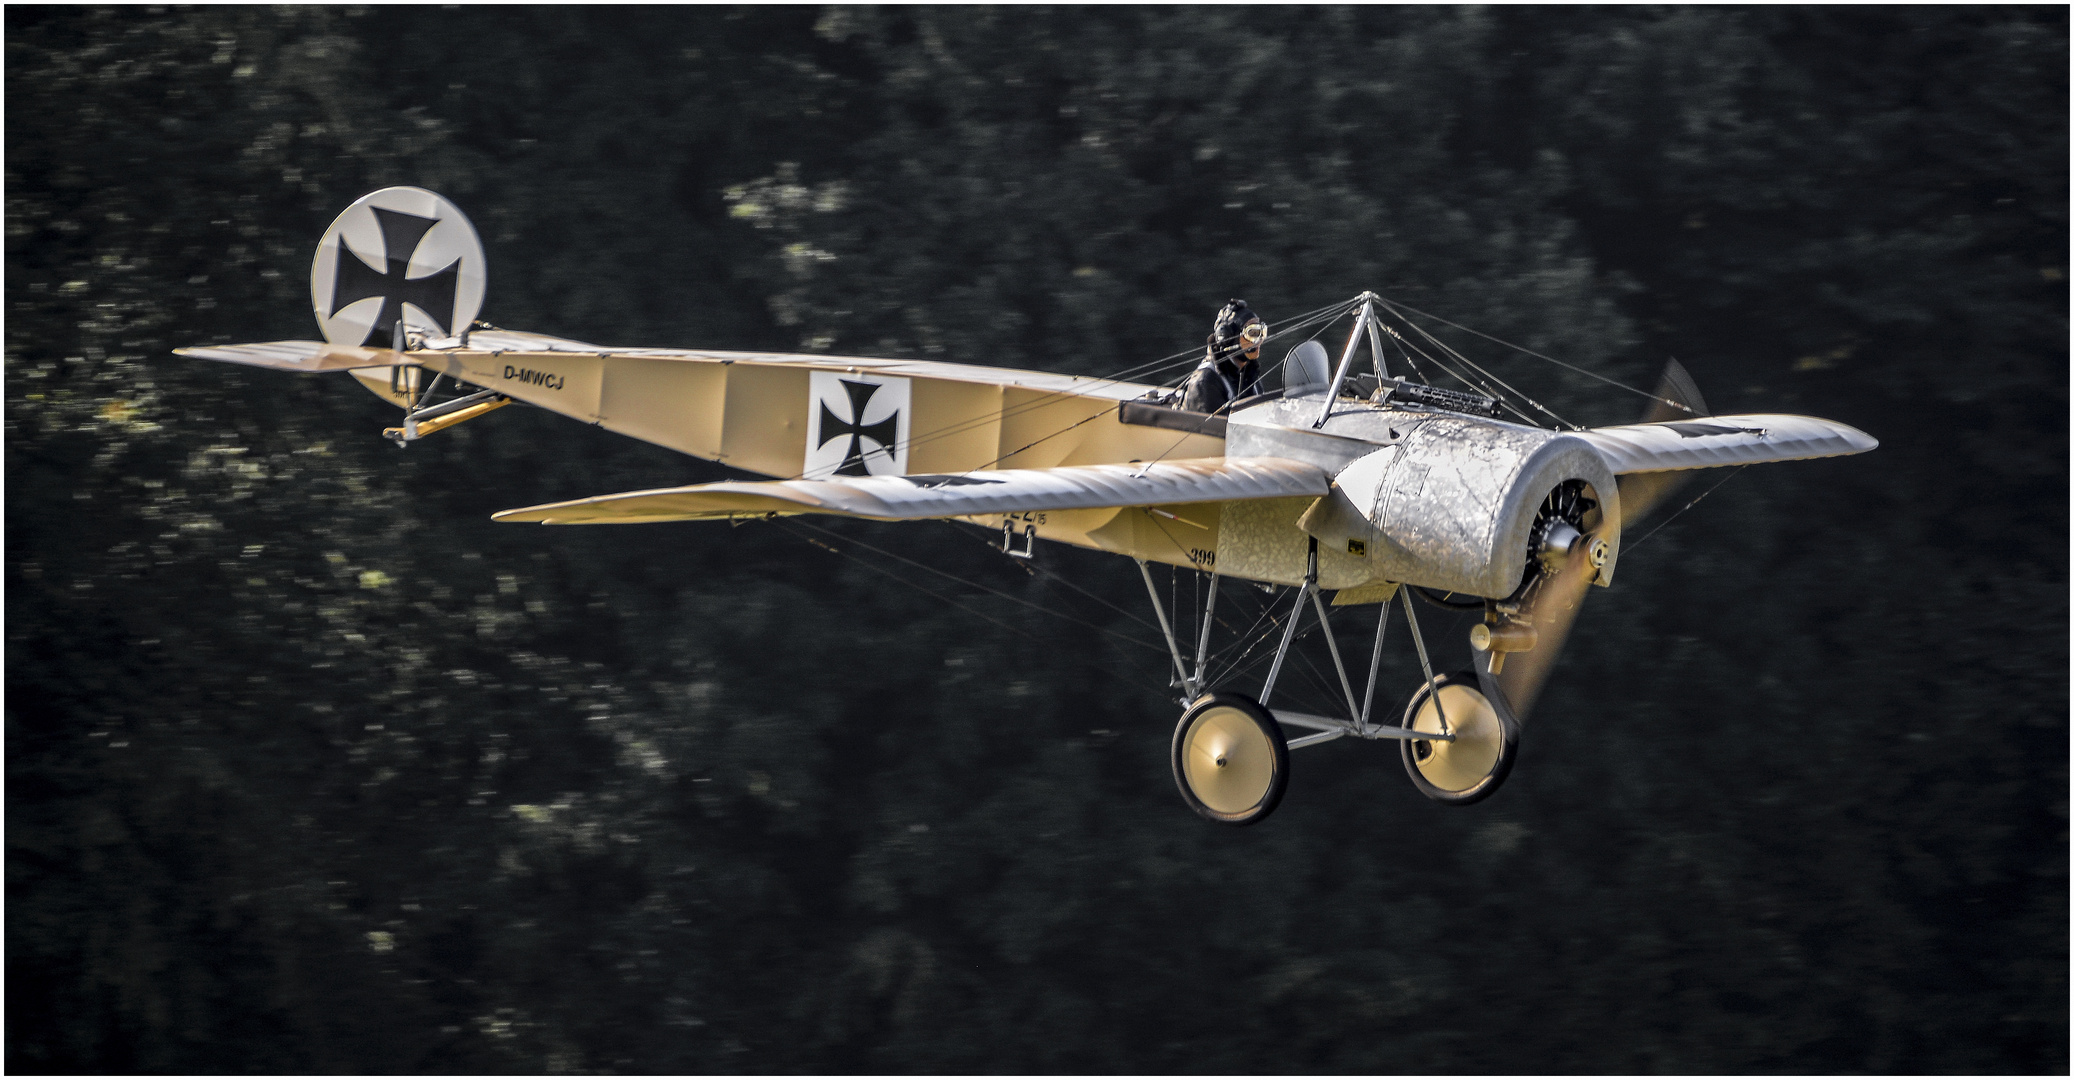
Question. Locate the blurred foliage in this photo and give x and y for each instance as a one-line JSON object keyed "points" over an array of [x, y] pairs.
{"points": [[311, 768]]}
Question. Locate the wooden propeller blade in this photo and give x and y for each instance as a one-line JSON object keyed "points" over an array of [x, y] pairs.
{"points": [[1552, 608]]}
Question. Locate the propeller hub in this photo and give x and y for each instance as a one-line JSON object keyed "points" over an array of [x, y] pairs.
{"points": [[1558, 543]]}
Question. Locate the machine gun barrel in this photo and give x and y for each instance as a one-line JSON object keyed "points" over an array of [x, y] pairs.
{"points": [[1398, 391]]}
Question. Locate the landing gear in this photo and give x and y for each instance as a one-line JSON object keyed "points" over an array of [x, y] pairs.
{"points": [[1470, 766], [1231, 760]]}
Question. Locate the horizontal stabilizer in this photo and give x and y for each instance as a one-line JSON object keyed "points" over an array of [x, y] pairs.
{"points": [[908, 498], [298, 355], [519, 341], [1709, 441], [320, 356]]}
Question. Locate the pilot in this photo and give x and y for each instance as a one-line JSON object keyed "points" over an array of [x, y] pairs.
{"points": [[1230, 369]]}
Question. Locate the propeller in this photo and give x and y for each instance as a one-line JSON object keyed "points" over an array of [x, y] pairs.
{"points": [[1548, 608], [1643, 492], [1569, 558]]}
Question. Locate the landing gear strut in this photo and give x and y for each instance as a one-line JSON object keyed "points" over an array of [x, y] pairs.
{"points": [[1231, 755]]}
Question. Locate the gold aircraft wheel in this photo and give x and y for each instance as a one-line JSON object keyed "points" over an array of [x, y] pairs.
{"points": [[1230, 759], [1471, 766]]}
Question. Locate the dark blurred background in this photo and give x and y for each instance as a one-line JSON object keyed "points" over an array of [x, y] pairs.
{"points": [[311, 768]]}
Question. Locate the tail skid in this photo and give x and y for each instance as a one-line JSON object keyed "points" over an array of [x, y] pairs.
{"points": [[423, 421]]}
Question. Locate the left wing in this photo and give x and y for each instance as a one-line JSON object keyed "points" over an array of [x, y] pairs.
{"points": [[1708, 441], [908, 498]]}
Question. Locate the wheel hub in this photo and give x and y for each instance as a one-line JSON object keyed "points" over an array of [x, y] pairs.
{"points": [[1230, 759], [1472, 764]]}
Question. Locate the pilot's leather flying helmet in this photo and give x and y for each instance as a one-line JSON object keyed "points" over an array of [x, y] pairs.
{"points": [[1237, 329]]}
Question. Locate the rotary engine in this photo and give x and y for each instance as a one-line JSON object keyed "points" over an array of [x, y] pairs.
{"points": [[1471, 506]]}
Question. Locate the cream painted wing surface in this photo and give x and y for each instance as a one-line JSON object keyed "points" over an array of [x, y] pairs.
{"points": [[1724, 440], [907, 498]]}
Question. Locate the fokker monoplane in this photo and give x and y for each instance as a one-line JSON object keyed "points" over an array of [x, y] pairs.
{"points": [[1367, 486]]}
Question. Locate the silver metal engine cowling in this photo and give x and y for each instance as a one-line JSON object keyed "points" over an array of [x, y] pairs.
{"points": [[1452, 504]]}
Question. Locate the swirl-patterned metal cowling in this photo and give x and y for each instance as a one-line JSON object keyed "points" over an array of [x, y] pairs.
{"points": [[1451, 502]]}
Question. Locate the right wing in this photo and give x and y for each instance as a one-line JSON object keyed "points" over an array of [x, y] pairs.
{"points": [[1709, 441], [910, 498]]}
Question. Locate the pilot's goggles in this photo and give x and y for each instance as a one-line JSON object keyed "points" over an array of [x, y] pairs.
{"points": [[1253, 334]]}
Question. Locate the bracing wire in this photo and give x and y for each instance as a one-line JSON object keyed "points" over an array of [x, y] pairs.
{"points": [[923, 589], [1134, 680], [1054, 575], [1467, 381], [1245, 667], [1340, 311], [1627, 548], [1319, 684], [1251, 641], [1326, 315], [971, 585], [1541, 356], [1245, 638], [1443, 346]]}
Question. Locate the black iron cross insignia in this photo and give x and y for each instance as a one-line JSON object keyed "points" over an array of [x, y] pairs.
{"points": [[432, 294], [835, 427]]}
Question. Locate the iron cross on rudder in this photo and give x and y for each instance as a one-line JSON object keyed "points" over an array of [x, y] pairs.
{"points": [[835, 427], [432, 294]]}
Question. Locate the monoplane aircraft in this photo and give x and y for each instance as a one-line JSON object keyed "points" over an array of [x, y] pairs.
{"points": [[1366, 486]]}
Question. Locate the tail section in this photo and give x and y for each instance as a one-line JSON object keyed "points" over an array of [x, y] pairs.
{"points": [[399, 267], [401, 257]]}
